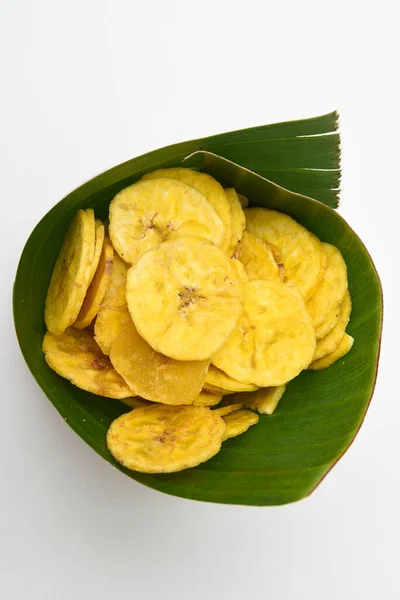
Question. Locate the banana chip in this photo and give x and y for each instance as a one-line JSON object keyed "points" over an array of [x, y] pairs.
{"points": [[274, 339], [344, 347], [221, 380], [257, 258], [97, 289], [229, 408], [185, 297], [264, 400], [331, 291], [154, 376], [300, 250], [165, 439], [98, 246], [238, 220], [135, 402], [75, 356], [238, 422], [208, 187], [207, 399], [331, 341], [113, 314], [71, 274], [150, 212], [214, 389]]}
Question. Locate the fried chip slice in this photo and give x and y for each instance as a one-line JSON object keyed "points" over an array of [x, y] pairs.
{"points": [[98, 245], [71, 274], [300, 249], [75, 356], [221, 380], [208, 187], [274, 339], [257, 258], [264, 400], [113, 314], [214, 389], [185, 297], [154, 376], [229, 408], [342, 349], [206, 398], [150, 212], [165, 439], [331, 341], [238, 220], [238, 422], [97, 289], [332, 289]]}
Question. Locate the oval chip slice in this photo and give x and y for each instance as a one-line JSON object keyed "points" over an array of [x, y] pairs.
{"points": [[274, 339], [98, 287], [238, 422], [257, 258], [331, 341], [154, 376], [206, 398], [185, 297], [208, 187], [113, 314], [331, 290], [71, 274], [342, 349], [150, 212], [221, 380], [300, 249], [98, 246], [264, 400], [165, 439], [75, 356], [238, 220], [227, 409]]}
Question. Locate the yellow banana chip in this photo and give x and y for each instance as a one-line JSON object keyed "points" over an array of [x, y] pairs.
{"points": [[257, 258], [238, 422], [154, 376], [229, 408], [150, 212], [331, 341], [98, 246], [343, 348], [97, 289], [185, 297], [221, 380], [75, 356], [264, 400], [332, 289], [214, 389], [208, 187], [274, 339], [71, 274], [165, 439], [300, 249], [207, 399], [238, 220], [113, 314]]}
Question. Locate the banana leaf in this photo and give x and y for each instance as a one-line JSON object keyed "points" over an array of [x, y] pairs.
{"points": [[287, 454]]}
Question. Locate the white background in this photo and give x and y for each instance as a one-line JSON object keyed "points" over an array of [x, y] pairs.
{"points": [[88, 84]]}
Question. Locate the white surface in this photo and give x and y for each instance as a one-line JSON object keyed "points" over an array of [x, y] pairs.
{"points": [[88, 84]]}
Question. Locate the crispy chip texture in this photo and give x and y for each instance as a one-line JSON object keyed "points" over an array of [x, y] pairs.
{"points": [[229, 408], [331, 290], [113, 313], [207, 399], [98, 246], [154, 376], [274, 339], [185, 297], [300, 250], [97, 289], [238, 220], [257, 258], [238, 422], [208, 187], [219, 379], [342, 349], [150, 212], [165, 439], [264, 400], [331, 341], [75, 356], [71, 274]]}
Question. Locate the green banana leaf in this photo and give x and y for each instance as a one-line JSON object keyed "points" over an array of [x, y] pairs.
{"points": [[286, 455]]}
